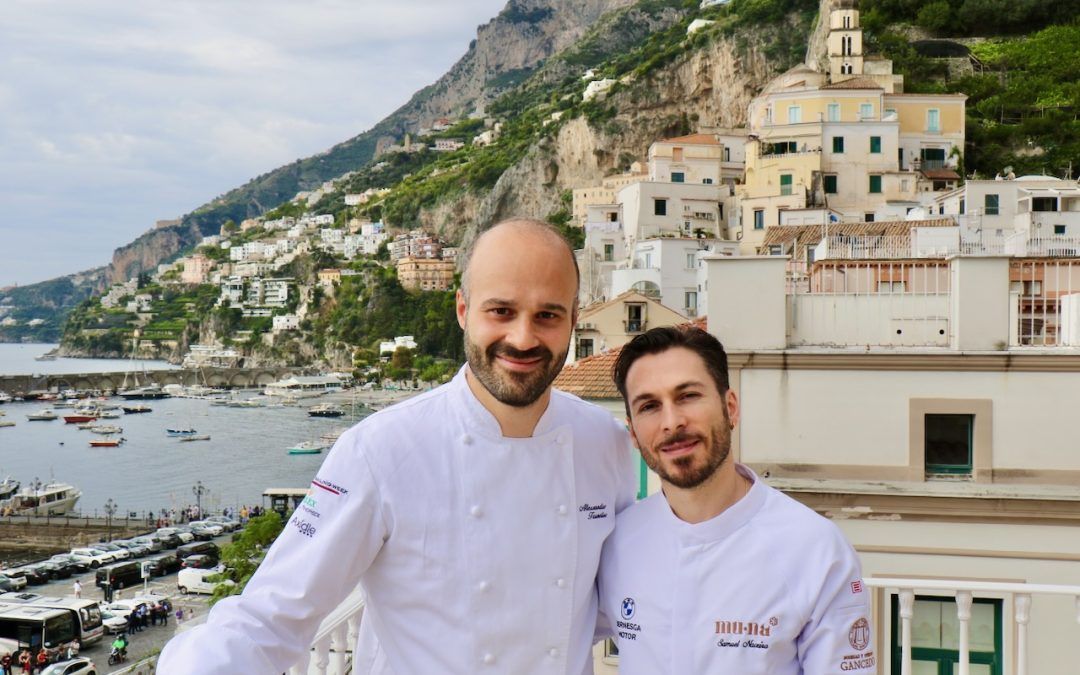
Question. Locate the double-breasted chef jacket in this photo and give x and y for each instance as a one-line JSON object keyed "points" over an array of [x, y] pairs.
{"points": [[476, 553], [768, 587]]}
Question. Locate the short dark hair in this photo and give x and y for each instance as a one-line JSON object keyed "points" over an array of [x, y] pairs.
{"points": [[657, 340]]}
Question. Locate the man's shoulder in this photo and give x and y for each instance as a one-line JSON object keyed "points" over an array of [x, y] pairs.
{"points": [[800, 525], [640, 519], [584, 412]]}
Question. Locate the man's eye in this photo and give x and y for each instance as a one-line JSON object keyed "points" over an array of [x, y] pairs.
{"points": [[646, 407], [501, 311], [548, 316]]}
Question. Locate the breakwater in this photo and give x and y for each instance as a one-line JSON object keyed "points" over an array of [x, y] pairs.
{"points": [[230, 378]]}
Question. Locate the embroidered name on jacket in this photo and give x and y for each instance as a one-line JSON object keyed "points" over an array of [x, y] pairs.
{"points": [[745, 634], [593, 511]]}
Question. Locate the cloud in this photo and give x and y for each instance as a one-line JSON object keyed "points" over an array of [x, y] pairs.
{"points": [[117, 114]]}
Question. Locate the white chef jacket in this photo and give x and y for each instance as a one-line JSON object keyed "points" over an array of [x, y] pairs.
{"points": [[477, 553], [766, 587]]}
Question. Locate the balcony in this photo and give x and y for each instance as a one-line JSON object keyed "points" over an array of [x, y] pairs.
{"points": [[632, 326]]}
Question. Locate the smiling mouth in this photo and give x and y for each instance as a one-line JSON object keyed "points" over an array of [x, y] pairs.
{"points": [[679, 448], [519, 365]]}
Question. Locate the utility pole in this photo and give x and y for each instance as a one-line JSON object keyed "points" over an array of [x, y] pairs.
{"points": [[110, 511], [199, 490]]}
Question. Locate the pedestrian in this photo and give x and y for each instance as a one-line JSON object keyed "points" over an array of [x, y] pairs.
{"points": [[26, 662], [475, 512], [179, 614], [77, 587], [42, 659], [5, 663]]}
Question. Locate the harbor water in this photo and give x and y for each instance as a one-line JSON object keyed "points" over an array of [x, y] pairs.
{"points": [[150, 471]]}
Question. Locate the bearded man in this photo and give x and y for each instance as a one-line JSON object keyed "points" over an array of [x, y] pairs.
{"points": [[472, 515], [718, 572]]}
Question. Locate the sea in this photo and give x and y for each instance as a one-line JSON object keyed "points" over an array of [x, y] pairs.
{"points": [[150, 471]]}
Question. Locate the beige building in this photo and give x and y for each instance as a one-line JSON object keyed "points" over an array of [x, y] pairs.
{"points": [[849, 148], [196, 269], [604, 193], [614, 323], [425, 274]]}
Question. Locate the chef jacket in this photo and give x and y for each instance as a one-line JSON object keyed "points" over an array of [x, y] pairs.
{"points": [[766, 587], [476, 552]]}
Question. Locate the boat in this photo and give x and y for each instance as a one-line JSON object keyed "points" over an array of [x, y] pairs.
{"points": [[5, 397], [136, 409], [87, 425], [150, 391], [6, 423], [46, 415], [307, 448], [185, 431], [325, 410], [197, 437], [8, 487], [106, 443], [107, 429], [52, 499], [82, 416], [110, 414]]}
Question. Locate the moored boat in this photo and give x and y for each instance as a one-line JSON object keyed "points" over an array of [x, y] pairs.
{"points": [[37, 499], [107, 429], [325, 410], [181, 431], [136, 409], [197, 437], [307, 448], [6, 423], [150, 391], [106, 443], [45, 415]]}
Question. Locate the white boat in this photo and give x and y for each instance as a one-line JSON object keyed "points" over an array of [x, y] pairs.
{"points": [[8, 487], [46, 415], [5, 397], [107, 429], [199, 437], [6, 423], [52, 499], [307, 448]]}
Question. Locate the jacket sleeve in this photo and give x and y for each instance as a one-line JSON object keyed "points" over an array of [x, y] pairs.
{"points": [[838, 636], [317, 560], [626, 467]]}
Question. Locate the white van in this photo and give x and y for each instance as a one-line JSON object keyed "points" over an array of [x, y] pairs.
{"points": [[194, 580]]}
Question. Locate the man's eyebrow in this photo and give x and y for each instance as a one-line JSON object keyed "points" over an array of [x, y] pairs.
{"points": [[498, 302]]}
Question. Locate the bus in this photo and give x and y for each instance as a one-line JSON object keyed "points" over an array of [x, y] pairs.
{"points": [[86, 612], [33, 626]]}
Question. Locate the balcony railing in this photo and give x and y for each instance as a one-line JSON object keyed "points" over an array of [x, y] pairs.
{"points": [[332, 648], [633, 326], [965, 591]]}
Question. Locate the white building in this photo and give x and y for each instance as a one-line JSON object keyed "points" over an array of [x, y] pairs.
{"points": [[286, 322], [388, 347]]}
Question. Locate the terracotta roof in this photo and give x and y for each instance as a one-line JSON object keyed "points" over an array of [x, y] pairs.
{"points": [[591, 376], [803, 235], [940, 174], [695, 139], [854, 83]]}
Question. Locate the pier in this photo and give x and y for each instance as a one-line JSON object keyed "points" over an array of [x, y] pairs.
{"points": [[227, 378]]}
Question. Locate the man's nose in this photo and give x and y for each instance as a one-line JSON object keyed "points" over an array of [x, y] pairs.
{"points": [[672, 418], [522, 335]]}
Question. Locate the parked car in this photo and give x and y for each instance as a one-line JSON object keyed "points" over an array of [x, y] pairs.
{"points": [[93, 557], [136, 550], [32, 575], [80, 665], [228, 523], [216, 529], [199, 560], [114, 622], [119, 552], [163, 564], [153, 544], [12, 583], [184, 536], [54, 570], [71, 562], [168, 540]]}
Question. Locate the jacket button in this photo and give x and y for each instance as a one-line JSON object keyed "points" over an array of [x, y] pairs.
{"points": [[466, 439], [553, 652], [482, 586], [489, 658], [560, 582], [561, 439], [561, 510], [475, 511]]}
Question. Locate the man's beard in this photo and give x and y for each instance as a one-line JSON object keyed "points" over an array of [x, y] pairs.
{"points": [[511, 388], [685, 474]]}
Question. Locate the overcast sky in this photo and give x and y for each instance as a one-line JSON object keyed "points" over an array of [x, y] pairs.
{"points": [[114, 114]]}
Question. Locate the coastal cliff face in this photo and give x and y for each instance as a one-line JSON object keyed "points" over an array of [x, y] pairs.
{"points": [[150, 249]]}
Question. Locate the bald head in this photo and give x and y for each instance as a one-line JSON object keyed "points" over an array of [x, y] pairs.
{"points": [[519, 237]]}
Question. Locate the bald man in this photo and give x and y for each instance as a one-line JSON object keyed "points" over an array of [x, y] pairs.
{"points": [[473, 516]]}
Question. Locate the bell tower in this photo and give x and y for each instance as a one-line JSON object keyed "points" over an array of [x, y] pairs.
{"points": [[845, 42]]}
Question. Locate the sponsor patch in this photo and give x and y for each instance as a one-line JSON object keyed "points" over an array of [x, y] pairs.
{"points": [[856, 586], [329, 486], [859, 639], [745, 634]]}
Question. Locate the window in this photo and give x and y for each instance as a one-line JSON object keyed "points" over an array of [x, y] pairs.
{"points": [[949, 444], [932, 158], [962, 206], [838, 144], [875, 184], [834, 112], [759, 219], [635, 314], [768, 115], [1059, 229], [727, 154], [990, 204], [609, 252], [868, 217], [776, 249], [785, 183], [794, 114], [891, 287], [875, 144], [659, 207], [706, 181], [584, 348], [678, 177], [690, 298], [830, 184], [933, 119], [935, 636], [866, 111], [691, 261], [613, 217], [1044, 204]]}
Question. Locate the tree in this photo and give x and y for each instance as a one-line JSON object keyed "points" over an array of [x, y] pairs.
{"points": [[402, 359], [242, 557]]}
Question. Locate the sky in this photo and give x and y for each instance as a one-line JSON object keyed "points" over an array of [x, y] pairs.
{"points": [[115, 114]]}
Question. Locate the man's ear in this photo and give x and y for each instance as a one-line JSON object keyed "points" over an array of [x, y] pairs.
{"points": [[633, 436], [731, 400], [461, 307]]}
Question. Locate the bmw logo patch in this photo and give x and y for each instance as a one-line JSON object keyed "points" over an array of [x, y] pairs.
{"points": [[628, 608]]}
